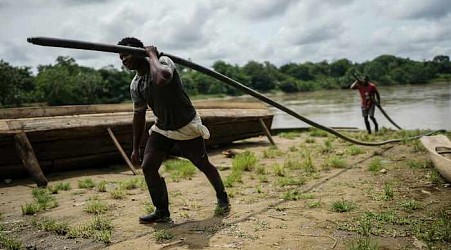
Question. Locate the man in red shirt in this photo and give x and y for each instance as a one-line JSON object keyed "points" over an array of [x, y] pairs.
{"points": [[369, 96]]}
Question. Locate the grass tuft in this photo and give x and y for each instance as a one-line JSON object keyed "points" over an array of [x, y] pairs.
{"points": [[178, 170], [86, 183], [163, 235], [342, 206]]}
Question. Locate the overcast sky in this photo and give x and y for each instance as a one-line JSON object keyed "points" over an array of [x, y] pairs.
{"points": [[235, 31]]}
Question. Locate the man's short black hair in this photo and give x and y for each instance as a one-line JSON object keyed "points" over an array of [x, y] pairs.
{"points": [[131, 41]]}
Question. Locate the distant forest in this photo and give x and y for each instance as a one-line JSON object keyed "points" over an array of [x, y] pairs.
{"points": [[67, 83]]}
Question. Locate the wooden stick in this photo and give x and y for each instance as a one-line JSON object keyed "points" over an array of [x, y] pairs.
{"points": [[124, 155], [267, 133], [30, 162]]}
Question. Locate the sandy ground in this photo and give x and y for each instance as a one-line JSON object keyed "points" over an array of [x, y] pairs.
{"points": [[275, 206]]}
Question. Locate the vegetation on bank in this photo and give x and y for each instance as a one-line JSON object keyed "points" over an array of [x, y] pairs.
{"points": [[66, 82]]}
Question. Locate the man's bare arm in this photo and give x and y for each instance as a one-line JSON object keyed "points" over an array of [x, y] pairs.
{"points": [[161, 74], [139, 125]]}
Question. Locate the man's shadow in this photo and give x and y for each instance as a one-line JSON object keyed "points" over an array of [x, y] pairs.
{"points": [[193, 234]]}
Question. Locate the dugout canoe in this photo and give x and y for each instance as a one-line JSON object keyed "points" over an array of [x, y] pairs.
{"points": [[439, 148], [73, 137]]}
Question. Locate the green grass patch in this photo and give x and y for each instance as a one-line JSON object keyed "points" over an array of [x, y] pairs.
{"points": [[410, 205], [51, 225], [289, 135], [62, 186], [415, 164], [292, 195], [388, 192], [293, 148], [101, 186], [42, 200], [307, 164], [342, 206], [327, 147], [263, 178], [310, 140], [233, 178], [318, 133], [130, 184], [148, 207], [375, 165], [437, 230], [417, 146], [292, 164], [86, 183], [290, 181], [96, 206], [117, 193], [278, 170], [9, 242], [260, 170], [245, 161], [99, 229], [362, 243], [180, 169], [354, 150], [436, 178], [162, 235], [314, 204], [272, 152], [334, 162]]}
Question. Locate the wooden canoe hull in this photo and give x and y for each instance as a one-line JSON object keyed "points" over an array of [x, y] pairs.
{"points": [[442, 161], [68, 142]]}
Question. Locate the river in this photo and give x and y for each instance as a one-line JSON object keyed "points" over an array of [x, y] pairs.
{"points": [[411, 107]]}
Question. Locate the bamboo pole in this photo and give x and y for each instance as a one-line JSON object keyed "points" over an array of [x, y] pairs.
{"points": [[29, 159]]}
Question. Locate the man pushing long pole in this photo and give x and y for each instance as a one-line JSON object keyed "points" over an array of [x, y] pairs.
{"points": [[76, 44]]}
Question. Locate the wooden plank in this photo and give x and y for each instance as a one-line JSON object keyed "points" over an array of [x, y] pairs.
{"points": [[49, 111], [69, 110]]}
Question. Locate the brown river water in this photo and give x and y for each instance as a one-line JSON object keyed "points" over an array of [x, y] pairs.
{"points": [[411, 107]]}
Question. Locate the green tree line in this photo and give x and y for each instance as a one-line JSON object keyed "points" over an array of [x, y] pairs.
{"points": [[67, 83]]}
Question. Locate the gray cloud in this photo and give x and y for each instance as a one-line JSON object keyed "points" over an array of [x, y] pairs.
{"points": [[262, 9], [417, 9], [234, 31]]}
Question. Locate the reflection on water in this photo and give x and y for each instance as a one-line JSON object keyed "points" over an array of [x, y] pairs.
{"points": [[411, 107]]}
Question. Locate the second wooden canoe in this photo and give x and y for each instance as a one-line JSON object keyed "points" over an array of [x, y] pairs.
{"points": [[439, 148]]}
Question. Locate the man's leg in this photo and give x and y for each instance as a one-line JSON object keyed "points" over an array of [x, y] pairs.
{"points": [[376, 126], [196, 152], [365, 118], [371, 114], [157, 148]]}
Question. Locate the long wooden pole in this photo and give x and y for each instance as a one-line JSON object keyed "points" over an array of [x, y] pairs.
{"points": [[121, 150], [266, 131], [75, 44]]}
